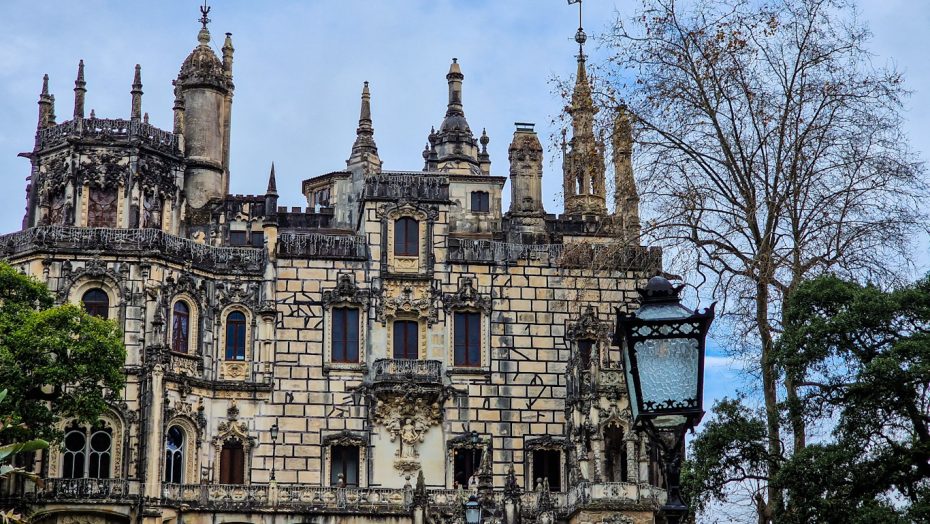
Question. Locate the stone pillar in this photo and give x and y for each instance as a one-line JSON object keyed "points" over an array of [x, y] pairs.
{"points": [[153, 439]]}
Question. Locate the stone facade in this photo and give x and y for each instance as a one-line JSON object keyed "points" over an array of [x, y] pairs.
{"points": [[397, 346]]}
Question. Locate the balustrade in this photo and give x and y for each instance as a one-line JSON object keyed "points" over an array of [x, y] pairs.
{"points": [[403, 370]]}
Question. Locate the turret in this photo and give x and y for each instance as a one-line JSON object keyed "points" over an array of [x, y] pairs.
{"points": [[626, 197], [205, 87], [583, 172], [364, 155], [79, 91], [45, 104], [454, 148], [527, 213], [136, 113], [270, 224]]}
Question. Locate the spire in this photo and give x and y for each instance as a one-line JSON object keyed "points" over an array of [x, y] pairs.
{"points": [[51, 110], [455, 78], [484, 159], [136, 92], [45, 103], [228, 50], [364, 148], [626, 197], [272, 184], [79, 91]]}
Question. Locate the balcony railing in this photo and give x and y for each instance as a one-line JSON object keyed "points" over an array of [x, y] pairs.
{"points": [[614, 494], [579, 255], [344, 499], [317, 245], [402, 370], [135, 241], [415, 186], [88, 489], [108, 129]]}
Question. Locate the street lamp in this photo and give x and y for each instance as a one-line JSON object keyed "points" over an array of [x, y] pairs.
{"points": [[663, 357], [472, 510], [274, 443]]}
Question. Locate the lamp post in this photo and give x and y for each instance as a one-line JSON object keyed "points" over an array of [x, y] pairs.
{"points": [[472, 510], [274, 443], [663, 360]]}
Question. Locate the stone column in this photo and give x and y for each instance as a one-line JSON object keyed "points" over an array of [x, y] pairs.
{"points": [[153, 439]]}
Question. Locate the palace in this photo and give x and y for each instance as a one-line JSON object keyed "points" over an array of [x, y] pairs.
{"points": [[399, 345]]}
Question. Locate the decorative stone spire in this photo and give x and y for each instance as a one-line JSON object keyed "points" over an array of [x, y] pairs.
{"points": [[51, 110], [527, 215], [79, 91], [272, 184], [228, 50], [45, 104], [626, 197], [583, 172], [136, 93], [178, 128], [454, 149], [271, 198], [364, 150], [484, 159]]}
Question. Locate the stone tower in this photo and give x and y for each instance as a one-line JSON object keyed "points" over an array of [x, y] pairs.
{"points": [[583, 167], [626, 198], [205, 89], [527, 215]]}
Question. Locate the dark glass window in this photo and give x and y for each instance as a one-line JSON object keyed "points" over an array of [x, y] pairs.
{"points": [[101, 208], [74, 454], [547, 464], [406, 237], [406, 339], [97, 303], [585, 348], [344, 466], [99, 454], [238, 238], [257, 239], [465, 464], [180, 327], [232, 463], [174, 455], [615, 449], [235, 336], [345, 334], [480, 202], [467, 339]]}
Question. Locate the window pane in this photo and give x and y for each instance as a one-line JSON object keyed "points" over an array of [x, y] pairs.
{"points": [[235, 336], [258, 239], [339, 334], [405, 339], [180, 327], [237, 238], [547, 465], [174, 455], [584, 353], [97, 303], [99, 463], [465, 466], [406, 237], [344, 466], [352, 336], [480, 201], [232, 464]]}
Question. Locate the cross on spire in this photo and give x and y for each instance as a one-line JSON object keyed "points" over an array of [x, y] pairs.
{"points": [[204, 11]]}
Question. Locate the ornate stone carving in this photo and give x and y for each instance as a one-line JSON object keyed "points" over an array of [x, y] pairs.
{"points": [[416, 298], [407, 420], [346, 290], [467, 297], [588, 326]]}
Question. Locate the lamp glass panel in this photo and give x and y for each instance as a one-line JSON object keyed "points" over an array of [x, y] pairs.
{"points": [[630, 384], [668, 373]]}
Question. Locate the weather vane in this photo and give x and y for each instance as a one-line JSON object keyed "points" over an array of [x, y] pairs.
{"points": [[205, 10], [580, 36]]}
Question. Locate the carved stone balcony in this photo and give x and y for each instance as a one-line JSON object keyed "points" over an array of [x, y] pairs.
{"points": [[317, 245], [613, 496], [410, 185], [110, 130], [391, 370], [287, 498], [97, 490]]}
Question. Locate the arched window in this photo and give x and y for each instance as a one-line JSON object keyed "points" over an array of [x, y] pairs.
{"points": [[406, 237], [174, 455], [235, 336], [180, 327], [406, 339], [87, 453], [97, 303], [232, 463]]}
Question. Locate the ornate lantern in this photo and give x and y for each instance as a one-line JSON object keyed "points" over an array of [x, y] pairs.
{"points": [[472, 510], [663, 356]]}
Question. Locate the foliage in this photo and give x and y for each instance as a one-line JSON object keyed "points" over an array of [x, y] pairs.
{"points": [[56, 361], [769, 145], [862, 358], [7, 453]]}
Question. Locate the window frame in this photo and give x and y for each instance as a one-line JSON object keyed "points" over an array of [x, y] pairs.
{"points": [[345, 311], [103, 306], [480, 202], [471, 340], [226, 474], [334, 473], [91, 457], [185, 335], [548, 452], [175, 459], [406, 323], [236, 357]]}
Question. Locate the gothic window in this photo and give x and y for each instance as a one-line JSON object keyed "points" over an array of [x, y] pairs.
{"points": [[406, 339], [87, 453], [615, 451], [101, 208], [547, 465], [238, 238], [345, 334], [232, 463], [406, 237], [151, 212], [465, 464], [235, 336], [344, 466], [174, 455], [180, 327], [585, 348], [480, 202], [467, 338], [97, 302]]}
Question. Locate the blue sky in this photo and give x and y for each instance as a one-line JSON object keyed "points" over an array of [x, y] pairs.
{"points": [[299, 68]]}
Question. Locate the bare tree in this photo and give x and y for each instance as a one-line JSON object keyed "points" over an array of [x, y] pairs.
{"points": [[772, 148]]}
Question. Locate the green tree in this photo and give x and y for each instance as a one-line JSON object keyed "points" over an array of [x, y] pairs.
{"points": [[55, 361]]}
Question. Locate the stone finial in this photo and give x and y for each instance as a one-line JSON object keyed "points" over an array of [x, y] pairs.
{"points": [[626, 196], [455, 78], [145, 117], [364, 149], [136, 93], [45, 103], [272, 184], [51, 110], [79, 91], [228, 50]]}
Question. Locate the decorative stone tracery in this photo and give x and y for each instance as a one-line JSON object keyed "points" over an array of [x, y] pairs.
{"points": [[407, 421]]}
